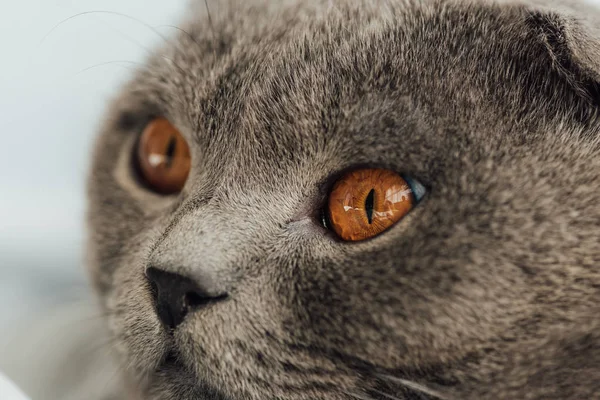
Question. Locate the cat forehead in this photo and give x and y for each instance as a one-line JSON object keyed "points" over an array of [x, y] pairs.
{"points": [[291, 77]]}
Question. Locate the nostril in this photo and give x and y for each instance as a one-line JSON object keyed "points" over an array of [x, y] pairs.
{"points": [[195, 300], [175, 295]]}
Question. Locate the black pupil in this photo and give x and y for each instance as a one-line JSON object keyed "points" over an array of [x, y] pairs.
{"points": [[171, 150], [369, 202]]}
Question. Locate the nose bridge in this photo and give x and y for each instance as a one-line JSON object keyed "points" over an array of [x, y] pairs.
{"points": [[197, 247], [212, 242]]}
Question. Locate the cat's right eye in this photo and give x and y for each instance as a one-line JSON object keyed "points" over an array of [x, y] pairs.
{"points": [[162, 157], [366, 202]]}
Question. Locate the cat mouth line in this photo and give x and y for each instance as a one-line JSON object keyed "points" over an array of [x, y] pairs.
{"points": [[171, 359]]}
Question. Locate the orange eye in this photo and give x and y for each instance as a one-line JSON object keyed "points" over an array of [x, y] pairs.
{"points": [[163, 157], [366, 202]]}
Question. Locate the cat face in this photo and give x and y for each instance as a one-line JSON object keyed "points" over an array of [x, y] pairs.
{"points": [[488, 288]]}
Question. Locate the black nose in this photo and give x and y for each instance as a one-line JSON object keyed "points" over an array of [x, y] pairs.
{"points": [[176, 295]]}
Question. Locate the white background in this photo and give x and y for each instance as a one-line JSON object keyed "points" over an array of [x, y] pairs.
{"points": [[50, 107]]}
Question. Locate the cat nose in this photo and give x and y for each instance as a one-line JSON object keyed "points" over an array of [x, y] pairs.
{"points": [[176, 295]]}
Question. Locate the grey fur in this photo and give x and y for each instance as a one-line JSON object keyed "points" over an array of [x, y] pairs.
{"points": [[489, 289]]}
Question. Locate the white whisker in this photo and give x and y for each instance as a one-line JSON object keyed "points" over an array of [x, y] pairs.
{"points": [[212, 28], [417, 387], [117, 62], [179, 30], [103, 12]]}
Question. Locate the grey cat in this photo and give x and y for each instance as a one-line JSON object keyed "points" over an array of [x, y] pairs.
{"points": [[236, 287]]}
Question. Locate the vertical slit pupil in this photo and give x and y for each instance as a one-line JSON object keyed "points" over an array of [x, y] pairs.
{"points": [[171, 146], [369, 203]]}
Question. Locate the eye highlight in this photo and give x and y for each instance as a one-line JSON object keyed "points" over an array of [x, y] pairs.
{"points": [[365, 202], [163, 157]]}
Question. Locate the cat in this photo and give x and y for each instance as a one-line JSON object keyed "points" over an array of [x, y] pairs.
{"points": [[223, 276]]}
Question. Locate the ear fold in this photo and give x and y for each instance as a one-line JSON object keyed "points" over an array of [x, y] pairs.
{"points": [[572, 36]]}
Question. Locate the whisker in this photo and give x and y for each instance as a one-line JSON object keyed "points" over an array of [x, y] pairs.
{"points": [[118, 62], [212, 28], [100, 345], [183, 71], [103, 12], [189, 35], [414, 386], [115, 375], [88, 319]]}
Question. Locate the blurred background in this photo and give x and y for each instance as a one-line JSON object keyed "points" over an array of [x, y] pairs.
{"points": [[62, 61], [55, 82]]}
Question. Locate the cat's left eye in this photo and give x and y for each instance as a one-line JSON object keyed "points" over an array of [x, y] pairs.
{"points": [[163, 157], [365, 202]]}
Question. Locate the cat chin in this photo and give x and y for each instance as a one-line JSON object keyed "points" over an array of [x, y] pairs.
{"points": [[170, 379], [156, 372], [173, 381]]}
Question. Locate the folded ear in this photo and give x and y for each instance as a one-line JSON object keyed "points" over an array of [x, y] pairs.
{"points": [[571, 33]]}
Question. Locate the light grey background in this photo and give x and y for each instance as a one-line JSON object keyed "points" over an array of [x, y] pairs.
{"points": [[60, 63], [54, 85]]}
